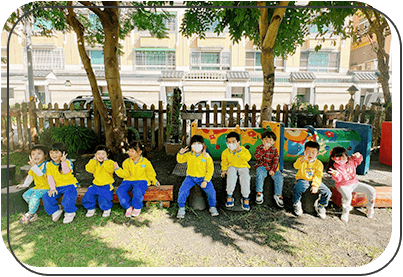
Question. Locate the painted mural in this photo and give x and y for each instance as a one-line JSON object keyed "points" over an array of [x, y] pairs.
{"points": [[295, 138]]}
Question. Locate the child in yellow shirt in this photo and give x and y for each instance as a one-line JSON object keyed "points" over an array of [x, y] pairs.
{"points": [[37, 161], [102, 168], [62, 182], [310, 172], [200, 169], [137, 173], [235, 159]]}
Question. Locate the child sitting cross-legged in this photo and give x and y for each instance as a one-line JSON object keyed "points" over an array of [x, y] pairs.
{"points": [[200, 169]]}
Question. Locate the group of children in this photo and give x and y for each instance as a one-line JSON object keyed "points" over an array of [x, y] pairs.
{"points": [[55, 178]]}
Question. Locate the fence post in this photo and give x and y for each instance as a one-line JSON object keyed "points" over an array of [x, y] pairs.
{"points": [[238, 115], [278, 111], [207, 115], [184, 127], [160, 126], [231, 116], [223, 112], [57, 120], [152, 108], [25, 126], [145, 127], [89, 120], [246, 119], [66, 121], [253, 115], [285, 115]]}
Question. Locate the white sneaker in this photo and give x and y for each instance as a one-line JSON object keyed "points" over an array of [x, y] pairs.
{"points": [[370, 212], [213, 211], [136, 212], [321, 210], [279, 200], [106, 213], [68, 217], [90, 213], [298, 208], [344, 216], [259, 198], [56, 215], [181, 213]]}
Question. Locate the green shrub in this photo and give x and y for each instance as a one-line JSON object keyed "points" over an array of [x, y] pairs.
{"points": [[46, 138], [76, 138]]}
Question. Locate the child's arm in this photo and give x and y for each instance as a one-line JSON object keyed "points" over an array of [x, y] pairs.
{"points": [[317, 176], [151, 173], [124, 171], [298, 163], [259, 153], [181, 157], [91, 165], [357, 159], [210, 170], [52, 186], [245, 154], [109, 166], [26, 183], [224, 163], [37, 170], [275, 160]]}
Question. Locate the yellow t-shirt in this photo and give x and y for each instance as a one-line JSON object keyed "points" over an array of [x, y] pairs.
{"points": [[198, 166], [41, 182], [60, 178], [236, 159], [103, 173], [142, 170], [309, 171]]}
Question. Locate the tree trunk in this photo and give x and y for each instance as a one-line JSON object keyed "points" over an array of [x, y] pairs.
{"points": [[116, 130], [268, 33]]}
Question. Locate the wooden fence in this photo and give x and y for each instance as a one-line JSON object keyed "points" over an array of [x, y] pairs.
{"points": [[28, 120]]}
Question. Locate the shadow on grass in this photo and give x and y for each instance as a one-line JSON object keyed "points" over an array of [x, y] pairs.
{"points": [[46, 243]]}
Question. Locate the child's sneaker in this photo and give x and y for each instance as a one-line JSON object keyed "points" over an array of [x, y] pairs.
{"points": [[298, 208], [106, 213], [25, 218], [68, 217], [370, 212], [136, 212], [56, 215], [33, 217], [129, 212], [230, 201], [279, 200], [90, 213], [321, 210], [181, 213], [259, 198], [344, 216], [245, 204], [213, 211]]}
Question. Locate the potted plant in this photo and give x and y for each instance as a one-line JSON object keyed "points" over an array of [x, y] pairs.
{"points": [[174, 143], [303, 114]]}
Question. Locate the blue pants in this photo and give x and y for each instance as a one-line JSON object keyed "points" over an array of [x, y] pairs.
{"points": [[261, 174], [33, 198], [102, 193], [189, 183], [69, 194], [138, 189], [302, 185]]}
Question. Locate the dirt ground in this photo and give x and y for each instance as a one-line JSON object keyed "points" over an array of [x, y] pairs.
{"points": [[265, 236]]}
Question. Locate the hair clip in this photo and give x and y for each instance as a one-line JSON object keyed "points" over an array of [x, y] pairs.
{"points": [[337, 158]]}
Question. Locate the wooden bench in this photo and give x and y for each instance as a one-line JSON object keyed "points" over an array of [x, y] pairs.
{"points": [[155, 195]]}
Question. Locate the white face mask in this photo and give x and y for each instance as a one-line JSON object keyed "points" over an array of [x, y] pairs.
{"points": [[197, 147], [268, 145], [231, 146], [311, 161]]}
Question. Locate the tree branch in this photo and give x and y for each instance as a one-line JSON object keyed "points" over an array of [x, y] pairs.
{"points": [[93, 8], [271, 33], [263, 21]]}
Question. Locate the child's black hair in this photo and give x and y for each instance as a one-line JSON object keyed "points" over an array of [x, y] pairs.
{"points": [[138, 145], [196, 138], [233, 135], [337, 151], [41, 147], [59, 146], [312, 144], [102, 147], [269, 134]]}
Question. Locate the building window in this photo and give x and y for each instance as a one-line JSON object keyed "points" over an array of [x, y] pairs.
{"points": [[170, 24], [97, 58], [45, 59], [210, 60], [252, 62], [155, 59], [319, 61]]}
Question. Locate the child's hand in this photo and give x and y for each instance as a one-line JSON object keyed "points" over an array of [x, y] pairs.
{"points": [[271, 172], [19, 186], [157, 184], [238, 146], [223, 173], [203, 185], [183, 150], [31, 161], [356, 154], [52, 192], [64, 157], [334, 172], [116, 166], [205, 154], [314, 189]]}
